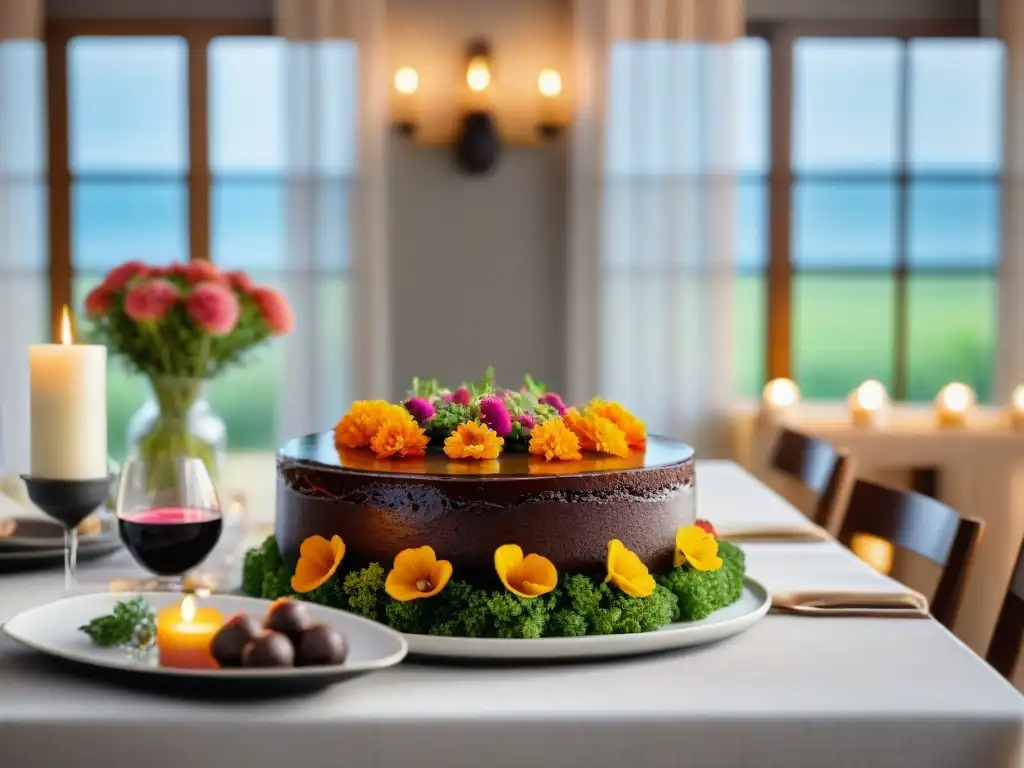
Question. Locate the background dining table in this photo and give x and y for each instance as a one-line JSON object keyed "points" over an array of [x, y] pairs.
{"points": [[791, 691]]}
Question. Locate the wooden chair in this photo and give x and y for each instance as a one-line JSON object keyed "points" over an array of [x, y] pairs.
{"points": [[922, 525], [820, 468], [1004, 650]]}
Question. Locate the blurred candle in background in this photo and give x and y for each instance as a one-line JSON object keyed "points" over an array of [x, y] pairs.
{"points": [[68, 408], [549, 86], [407, 83], [1017, 408], [869, 404], [779, 398], [953, 405]]}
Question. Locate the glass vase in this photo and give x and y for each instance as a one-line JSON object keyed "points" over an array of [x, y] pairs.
{"points": [[176, 422]]}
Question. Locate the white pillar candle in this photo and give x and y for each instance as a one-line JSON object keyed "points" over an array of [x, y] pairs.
{"points": [[68, 395]]}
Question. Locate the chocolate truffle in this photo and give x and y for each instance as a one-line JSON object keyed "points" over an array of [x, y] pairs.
{"points": [[268, 649], [228, 644], [288, 617], [318, 645]]}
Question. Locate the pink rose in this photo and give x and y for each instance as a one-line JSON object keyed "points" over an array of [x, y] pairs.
{"points": [[119, 276], [239, 281], [98, 302], [214, 308], [274, 310], [150, 301], [201, 271]]}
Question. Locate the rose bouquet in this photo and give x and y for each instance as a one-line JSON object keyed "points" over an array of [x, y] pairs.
{"points": [[180, 326]]}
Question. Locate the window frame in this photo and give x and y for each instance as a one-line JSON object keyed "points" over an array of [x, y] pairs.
{"points": [[197, 34], [782, 37]]}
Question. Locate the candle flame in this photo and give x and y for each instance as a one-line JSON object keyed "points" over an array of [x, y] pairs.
{"points": [[781, 393], [871, 395], [188, 609], [1018, 398], [956, 397], [65, 327], [478, 74], [549, 83]]}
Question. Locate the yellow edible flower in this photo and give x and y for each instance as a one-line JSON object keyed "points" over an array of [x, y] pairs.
{"points": [[473, 441], [698, 548], [357, 427], [528, 576], [417, 573], [627, 572], [634, 429], [318, 560], [399, 435], [554, 440], [596, 433]]}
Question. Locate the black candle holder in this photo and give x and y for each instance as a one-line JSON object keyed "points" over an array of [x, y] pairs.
{"points": [[68, 502]]}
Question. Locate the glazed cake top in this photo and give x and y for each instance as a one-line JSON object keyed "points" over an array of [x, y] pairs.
{"points": [[319, 450]]}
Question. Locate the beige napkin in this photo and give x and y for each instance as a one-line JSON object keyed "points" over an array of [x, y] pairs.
{"points": [[853, 603], [800, 532]]}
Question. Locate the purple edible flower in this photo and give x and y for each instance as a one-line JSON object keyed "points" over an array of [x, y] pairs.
{"points": [[461, 396], [526, 420], [494, 414], [447, 397], [550, 398], [421, 409]]}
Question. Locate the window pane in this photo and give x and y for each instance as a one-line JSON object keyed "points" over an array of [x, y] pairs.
{"points": [[335, 342], [845, 108], [22, 107], [843, 332], [956, 96], [749, 315], [951, 333], [751, 110], [246, 110], [116, 221], [246, 398], [752, 225], [127, 103], [850, 224], [954, 224], [248, 225]]}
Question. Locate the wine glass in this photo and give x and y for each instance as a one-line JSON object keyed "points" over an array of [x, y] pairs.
{"points": [[171, 528]]}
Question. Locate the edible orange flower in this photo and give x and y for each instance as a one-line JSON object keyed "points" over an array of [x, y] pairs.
{"points": [[528, 576], [318, 560], [627, 572], [399, 435], [417, 573], [596, 433], [554, 440], [357, 427], [631, 426], [473, 441], [694, 545]]}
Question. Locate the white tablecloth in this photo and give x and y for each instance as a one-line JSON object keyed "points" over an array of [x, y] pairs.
{"points": [[789, 692]]}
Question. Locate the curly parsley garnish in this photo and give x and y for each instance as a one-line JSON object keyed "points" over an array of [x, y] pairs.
{"points": [[132, 623]]}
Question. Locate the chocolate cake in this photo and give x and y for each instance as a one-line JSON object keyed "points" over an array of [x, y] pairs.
{"points": [[566, 511]]}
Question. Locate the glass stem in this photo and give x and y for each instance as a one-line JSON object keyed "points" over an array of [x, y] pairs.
{"points": [[70, 560]]}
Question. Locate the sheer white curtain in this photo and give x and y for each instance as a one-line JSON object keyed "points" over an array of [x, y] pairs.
{"points": [[335, 124], [1008, 18], [653, 196], [24, 298]]}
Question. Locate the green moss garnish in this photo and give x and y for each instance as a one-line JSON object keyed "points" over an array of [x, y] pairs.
{"points": [[578, 606]]}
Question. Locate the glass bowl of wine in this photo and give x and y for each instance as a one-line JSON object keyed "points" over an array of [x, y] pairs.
{"points": [[169, 521]]}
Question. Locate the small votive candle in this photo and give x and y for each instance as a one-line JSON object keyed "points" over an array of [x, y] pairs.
{"points": [[779, 398], [1016, 409], [184, 633], [953, 405], [869, 404]]}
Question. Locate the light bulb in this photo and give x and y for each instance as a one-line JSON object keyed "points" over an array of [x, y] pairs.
{"points": [[407, 81], [781, 393], [549, 83], [478, 74]]}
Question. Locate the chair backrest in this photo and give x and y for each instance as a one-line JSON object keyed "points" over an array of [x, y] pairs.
{"points": [[922, 525], [1004, 650], [819, 467]]}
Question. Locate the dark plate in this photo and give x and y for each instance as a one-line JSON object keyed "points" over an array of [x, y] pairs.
{"points": [[20, 560]]}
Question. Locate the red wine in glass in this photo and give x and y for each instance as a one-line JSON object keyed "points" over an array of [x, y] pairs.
{"points": [[170, 541]]}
